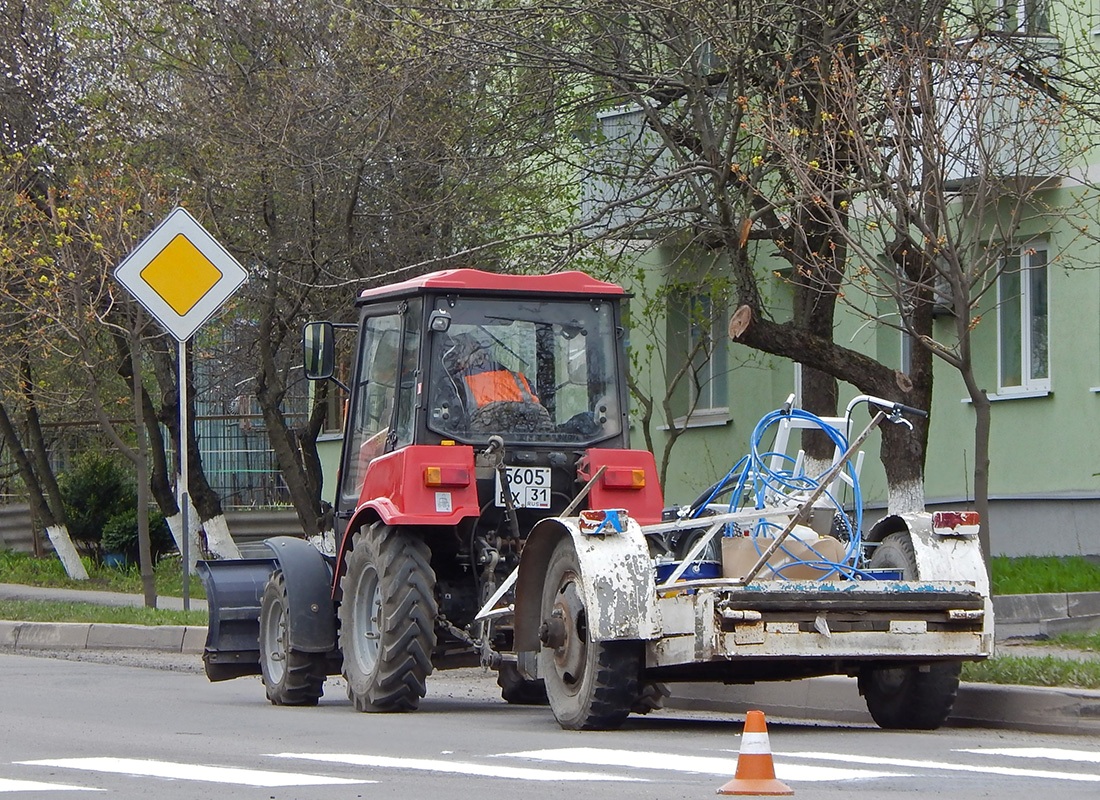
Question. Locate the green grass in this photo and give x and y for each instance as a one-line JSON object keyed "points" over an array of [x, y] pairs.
{"points": [[1034, 671], [43, 611], [1042, 574], [24, 568]]}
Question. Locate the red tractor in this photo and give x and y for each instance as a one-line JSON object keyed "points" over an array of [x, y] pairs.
{"points": [[479, 405]]}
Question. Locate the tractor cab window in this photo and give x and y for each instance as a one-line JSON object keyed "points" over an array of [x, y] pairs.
{"points": [[528, 370], [373, 399]]}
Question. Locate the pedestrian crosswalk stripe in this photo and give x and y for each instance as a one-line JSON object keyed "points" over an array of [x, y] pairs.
{"points": [[987, 769], [8, 785], [1051, 753], [458, 767], [192, 772], [709, 765]]}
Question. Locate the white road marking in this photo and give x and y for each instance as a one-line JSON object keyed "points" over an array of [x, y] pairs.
{"points": [[456, 767], [907, 763], [1054, 754], [7, 785], [192, 772], [635, 759]]}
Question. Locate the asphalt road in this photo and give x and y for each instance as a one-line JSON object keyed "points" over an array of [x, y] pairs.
{"points": [[136, 725]]}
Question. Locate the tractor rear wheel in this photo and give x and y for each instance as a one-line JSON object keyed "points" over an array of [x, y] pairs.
{"points": [[291, 677], [387, 619], [915, 697], [591, 685]]}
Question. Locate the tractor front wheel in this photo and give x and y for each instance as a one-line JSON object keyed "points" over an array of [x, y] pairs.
{"points": [[591, 685], [291, 677], [387, 619]]}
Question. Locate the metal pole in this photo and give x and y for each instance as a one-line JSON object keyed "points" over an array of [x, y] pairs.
{"points": [[184, 502]]}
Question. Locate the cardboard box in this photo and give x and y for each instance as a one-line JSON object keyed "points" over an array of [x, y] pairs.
{"points": [[740, 553]]}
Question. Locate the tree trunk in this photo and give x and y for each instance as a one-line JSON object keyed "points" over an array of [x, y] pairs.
{"points": [[40, 508], [207, 504]]}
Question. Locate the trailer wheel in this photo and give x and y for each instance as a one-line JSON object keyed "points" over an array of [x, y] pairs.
{"points": [[387, 620], [291, 677], [914, 698], [896, 552], [591, 685], [517, 690], [918, 697]]}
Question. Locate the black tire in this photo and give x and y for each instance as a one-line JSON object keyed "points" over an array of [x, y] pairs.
{"points": [[387, 620], [896, 552], [712, 552], [651, 697], [590, 685], [291, 677], [913, 697], [517, 690]]}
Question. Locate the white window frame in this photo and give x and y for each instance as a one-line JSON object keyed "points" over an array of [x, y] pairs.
{"points": [[1028, 17], [707, 404], [1031, 255]]}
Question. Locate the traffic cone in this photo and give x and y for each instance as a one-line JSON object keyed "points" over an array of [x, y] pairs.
{"points": [[755, 770]]}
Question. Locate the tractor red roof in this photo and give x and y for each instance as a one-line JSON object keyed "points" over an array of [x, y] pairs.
{"points": [[571, 282]]}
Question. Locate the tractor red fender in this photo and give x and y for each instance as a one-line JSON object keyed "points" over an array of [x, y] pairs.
{"points": [[432, 485], [617, 579]]}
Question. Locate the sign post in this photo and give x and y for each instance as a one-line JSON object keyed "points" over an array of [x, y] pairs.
{"points": [[182, 276]]}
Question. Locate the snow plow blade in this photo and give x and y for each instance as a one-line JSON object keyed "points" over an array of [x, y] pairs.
{"points": [[233, 591]]}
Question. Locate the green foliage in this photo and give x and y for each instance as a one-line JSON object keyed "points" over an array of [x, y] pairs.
{"points": [[95, 489], [1079, 641], [43, 611], [1034, 671], [120, 535], [1044, 574], [25, 569]]}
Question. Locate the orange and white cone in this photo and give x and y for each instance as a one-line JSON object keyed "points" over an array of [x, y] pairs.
{"points": [[755, 769]]}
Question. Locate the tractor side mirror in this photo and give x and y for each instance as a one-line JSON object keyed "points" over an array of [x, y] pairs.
{"points": [[318, 350]]}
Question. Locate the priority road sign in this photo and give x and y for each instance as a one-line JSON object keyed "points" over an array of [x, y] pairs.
{"points": [[181, 274]]}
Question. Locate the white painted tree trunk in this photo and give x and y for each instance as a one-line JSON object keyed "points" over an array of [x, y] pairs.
{"points": [[325, 542], [66, 551], [218, 541], [907, 498], [194, 546]]}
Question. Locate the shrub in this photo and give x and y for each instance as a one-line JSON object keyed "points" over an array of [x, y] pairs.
{"points": [[120, 535], [93, 490]]}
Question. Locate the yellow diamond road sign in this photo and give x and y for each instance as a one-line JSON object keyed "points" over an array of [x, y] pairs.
{"points": [[181, 274]]}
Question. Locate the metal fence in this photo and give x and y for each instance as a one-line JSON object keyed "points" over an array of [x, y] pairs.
{"points": [[236, 456]]}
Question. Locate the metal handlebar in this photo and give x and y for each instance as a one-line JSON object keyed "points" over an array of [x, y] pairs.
{"points": [[894, 411]]}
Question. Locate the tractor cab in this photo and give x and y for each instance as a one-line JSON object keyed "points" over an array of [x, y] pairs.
{"points": [[509, 388]]}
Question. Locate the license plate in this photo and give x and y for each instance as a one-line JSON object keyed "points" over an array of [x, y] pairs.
{"points": [[530, 487]]}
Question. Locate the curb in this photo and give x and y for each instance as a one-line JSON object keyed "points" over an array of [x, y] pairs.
{"points": [[1037, 709], [183, 639]]}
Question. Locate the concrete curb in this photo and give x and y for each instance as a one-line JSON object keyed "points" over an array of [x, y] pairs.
{"points": [[184, 639], [1046, 614], [836, 699]]}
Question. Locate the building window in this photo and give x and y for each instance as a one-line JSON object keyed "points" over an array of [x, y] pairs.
{"points": [[1025, 16], [1023, 323], [698, 363]]}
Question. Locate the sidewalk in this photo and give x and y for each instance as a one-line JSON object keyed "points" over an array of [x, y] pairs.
{"points": [[835, 699]]}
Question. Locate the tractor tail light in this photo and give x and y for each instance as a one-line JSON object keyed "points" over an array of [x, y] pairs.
{"points": [[956, 523], [446, 477], [624, 478]]}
